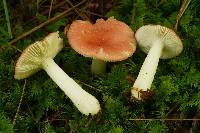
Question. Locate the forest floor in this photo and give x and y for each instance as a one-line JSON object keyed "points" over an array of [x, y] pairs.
{"points": [[36, 104]]}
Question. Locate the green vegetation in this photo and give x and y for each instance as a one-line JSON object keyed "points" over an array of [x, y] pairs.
{"points": [[45, 108]]}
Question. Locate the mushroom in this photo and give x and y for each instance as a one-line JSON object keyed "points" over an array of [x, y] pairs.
{"points": [[109, 40], [39, 56], [159, 42]]}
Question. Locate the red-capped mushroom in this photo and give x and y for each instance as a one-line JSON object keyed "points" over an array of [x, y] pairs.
{"points": [[109, 40]]}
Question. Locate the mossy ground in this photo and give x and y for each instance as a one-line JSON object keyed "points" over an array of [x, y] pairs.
{"points": [[45, 108]]}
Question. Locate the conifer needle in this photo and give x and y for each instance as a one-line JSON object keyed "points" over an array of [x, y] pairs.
{"points": [[20, 102]]}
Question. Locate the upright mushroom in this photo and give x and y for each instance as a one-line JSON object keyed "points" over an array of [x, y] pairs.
{"points": [[40, 56], [158, 42], [109, 40]]}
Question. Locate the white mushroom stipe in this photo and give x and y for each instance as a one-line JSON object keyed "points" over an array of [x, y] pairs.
{"points": [[40, 56], [101, 52], [148, 70], [85, 102], [161, 42], [98, 67]]}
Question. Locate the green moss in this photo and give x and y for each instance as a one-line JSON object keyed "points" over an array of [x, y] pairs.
{"points": [[45, 108]]}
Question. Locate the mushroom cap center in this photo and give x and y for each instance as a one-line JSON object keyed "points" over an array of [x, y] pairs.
{"points": [[109, 40]]}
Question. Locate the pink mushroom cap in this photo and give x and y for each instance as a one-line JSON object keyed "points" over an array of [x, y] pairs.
{"points": [[109, 40]]}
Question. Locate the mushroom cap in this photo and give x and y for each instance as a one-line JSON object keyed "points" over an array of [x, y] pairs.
{"points": [[34, 55], [109, 40], [148, 34]]}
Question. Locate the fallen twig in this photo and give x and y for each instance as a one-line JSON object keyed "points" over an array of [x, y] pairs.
{"points": [[50, 9], [133, 13], [84, 17], [164, 119], [45, 23], [91, 87], [92, 13], [45, 12], [20, 102], [181, 11]]}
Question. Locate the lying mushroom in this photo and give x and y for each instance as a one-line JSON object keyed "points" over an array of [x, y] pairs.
{"points": [[109, 40], [158, 42], [40, 56]]}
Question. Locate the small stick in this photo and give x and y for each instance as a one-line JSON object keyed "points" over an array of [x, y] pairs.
{"points": [[133, 13], [20, 102], [172, 109], [46, 12], [91, 87], [45, 23], [164, 119], [50, 9], [14, 47], [81, 15], [92, 13], [181, 12], [161, 2]]}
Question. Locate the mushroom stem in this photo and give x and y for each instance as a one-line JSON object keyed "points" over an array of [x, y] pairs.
{"points": [[98, 67], [86, 103], [148, 70]]}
